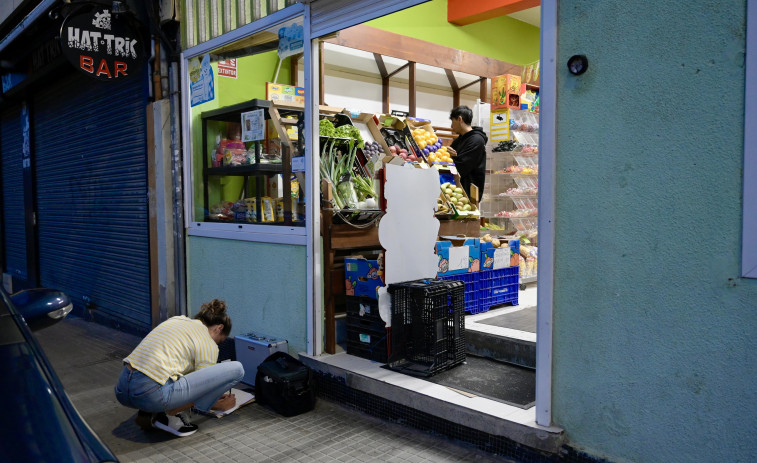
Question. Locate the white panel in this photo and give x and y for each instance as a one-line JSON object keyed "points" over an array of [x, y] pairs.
{"points": [[328, 16]]}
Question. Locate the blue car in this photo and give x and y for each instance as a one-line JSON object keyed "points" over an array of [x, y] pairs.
{"points": [[38, 422]]}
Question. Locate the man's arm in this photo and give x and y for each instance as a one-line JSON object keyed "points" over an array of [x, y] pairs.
{"points": [[465, 157]]}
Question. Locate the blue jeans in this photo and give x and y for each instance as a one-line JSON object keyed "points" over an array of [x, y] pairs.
{"points": [[202, 387]]}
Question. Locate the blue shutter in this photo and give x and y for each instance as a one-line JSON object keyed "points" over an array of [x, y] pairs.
{"points": [[90, 162], [327, 16], [14, 230]]}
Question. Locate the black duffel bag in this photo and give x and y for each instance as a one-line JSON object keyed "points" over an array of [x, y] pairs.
{"points": [[285, 384]]}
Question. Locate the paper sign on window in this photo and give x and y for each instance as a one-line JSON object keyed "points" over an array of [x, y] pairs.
{"points": [[253, 125], [458, 257], [501, 258]]}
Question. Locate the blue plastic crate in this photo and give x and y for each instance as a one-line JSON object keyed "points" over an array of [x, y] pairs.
{"points": [[473, 292], [499, 287]]}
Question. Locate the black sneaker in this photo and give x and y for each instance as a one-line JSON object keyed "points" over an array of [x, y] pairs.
{"points": [[144, 419], [177, 425]]}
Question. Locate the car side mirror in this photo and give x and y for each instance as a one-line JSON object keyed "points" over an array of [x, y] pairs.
{"points": [[42, 307]]}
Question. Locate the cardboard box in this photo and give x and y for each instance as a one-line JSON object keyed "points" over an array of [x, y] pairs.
{"points": [[501, 87], [367, 123], [363, 277], [454, 260], [446, 176], [496, 258]]}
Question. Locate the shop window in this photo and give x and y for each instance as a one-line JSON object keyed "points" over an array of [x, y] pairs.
{"points": [[247, 129], [749, 244]]}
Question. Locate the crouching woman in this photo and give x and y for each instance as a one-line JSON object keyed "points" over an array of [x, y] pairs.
{"points": [[175, 368]]}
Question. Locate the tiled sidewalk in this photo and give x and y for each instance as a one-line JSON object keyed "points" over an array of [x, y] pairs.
{"points": [[87, 357]]}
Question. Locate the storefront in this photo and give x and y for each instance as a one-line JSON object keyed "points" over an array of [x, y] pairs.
{"points": [[75, 181], [256, 97]]}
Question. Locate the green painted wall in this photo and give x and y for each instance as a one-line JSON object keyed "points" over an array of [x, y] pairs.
{"points": [[502, 38], [654, 332], [263, 285]]}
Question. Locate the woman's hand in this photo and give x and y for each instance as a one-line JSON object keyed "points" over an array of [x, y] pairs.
{"points": [[451, 151], [226, 402]]}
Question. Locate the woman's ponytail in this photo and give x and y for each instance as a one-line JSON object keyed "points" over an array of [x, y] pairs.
{"points": [[214, 313]]}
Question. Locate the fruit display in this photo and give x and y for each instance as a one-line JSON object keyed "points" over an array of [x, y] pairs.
{"points": [[494, 241], [372, 148], [520, 192], [456, 196], [525, 148], [440, 156], [397, 150], [442, 206], [431, 146], [518, 213], [492, 226], [516, 169]]}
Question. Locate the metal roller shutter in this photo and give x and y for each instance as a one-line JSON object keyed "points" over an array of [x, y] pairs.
{"points": [[14, 230], [327, 16], [92, 208]]}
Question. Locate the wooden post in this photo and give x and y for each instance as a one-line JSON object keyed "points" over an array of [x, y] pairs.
{"points": [[483, 93], [455, 88], [384, 82], [294, 68]]}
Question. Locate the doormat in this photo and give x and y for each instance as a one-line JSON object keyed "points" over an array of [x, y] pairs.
{"points": [[483, 377], [521, 320]]}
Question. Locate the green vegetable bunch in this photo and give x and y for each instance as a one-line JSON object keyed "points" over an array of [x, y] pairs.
{"points": [[326, 128], [350, 131]]}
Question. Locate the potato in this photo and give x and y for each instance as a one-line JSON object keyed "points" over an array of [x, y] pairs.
{"points": [[487, 238], [495, 242]]}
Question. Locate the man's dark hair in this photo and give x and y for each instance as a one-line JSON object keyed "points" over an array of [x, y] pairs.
{"points": [[463, 111]]}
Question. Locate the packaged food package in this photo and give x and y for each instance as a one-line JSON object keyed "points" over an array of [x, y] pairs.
{"points": [[269, 209], [251, 213], [234, 153], [279, 209]]}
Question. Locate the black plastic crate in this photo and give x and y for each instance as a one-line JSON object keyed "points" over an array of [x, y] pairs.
{"points": [[363, 307], [428, 326], [366, 338]]}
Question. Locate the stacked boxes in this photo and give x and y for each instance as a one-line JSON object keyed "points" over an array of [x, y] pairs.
{"points": [[454, 260], [362, 276], [366, 331]]}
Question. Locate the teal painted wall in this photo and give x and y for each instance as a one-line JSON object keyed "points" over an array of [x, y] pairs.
{"points": [[263, 284], [655, 358], [503, 38]]}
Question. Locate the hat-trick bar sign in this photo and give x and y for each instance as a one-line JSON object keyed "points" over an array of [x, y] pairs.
{"points": [[103, 46]]}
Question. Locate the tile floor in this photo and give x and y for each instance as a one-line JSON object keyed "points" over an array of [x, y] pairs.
{"points": [[87, 358]]}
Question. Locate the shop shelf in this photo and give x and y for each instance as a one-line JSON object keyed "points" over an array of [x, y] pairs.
{"points": [[428, 326], [526, 181], [524, 223], [529, 138], [525, 202], [472, 289], [499, 286], [526, 159]]}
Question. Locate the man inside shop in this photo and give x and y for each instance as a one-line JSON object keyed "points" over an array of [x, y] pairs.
{"points": [[468, 150]]}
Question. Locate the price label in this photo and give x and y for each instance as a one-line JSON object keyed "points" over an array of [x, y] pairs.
{"points": [[458, 258], [501, 258]]}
